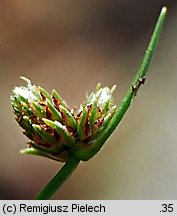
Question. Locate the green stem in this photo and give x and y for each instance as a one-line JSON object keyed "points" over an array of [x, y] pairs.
{"points": [[140, 75], [139, 79], [63, 174]]}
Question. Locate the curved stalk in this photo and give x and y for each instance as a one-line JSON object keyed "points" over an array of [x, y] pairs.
{"points": [[139, 79], [54, 184]]}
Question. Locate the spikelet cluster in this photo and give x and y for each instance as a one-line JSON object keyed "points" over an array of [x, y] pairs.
{"points": [[54, 130]]}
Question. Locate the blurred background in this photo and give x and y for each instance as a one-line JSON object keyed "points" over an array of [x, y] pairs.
{"points": [[71, 46]]}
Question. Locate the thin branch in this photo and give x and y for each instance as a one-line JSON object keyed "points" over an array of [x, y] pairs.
{"points": [[133, 89]]}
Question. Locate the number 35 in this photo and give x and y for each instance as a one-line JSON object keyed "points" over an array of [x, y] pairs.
{"points": [[167, 207]]}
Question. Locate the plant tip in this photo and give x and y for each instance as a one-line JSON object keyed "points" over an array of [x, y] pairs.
{"points": [[164, 9]]}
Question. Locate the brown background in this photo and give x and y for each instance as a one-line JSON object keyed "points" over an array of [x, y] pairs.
{"points": [[70, 46]]}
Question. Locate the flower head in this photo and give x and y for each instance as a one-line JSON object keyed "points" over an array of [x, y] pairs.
{"points": [[53, 128]]}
